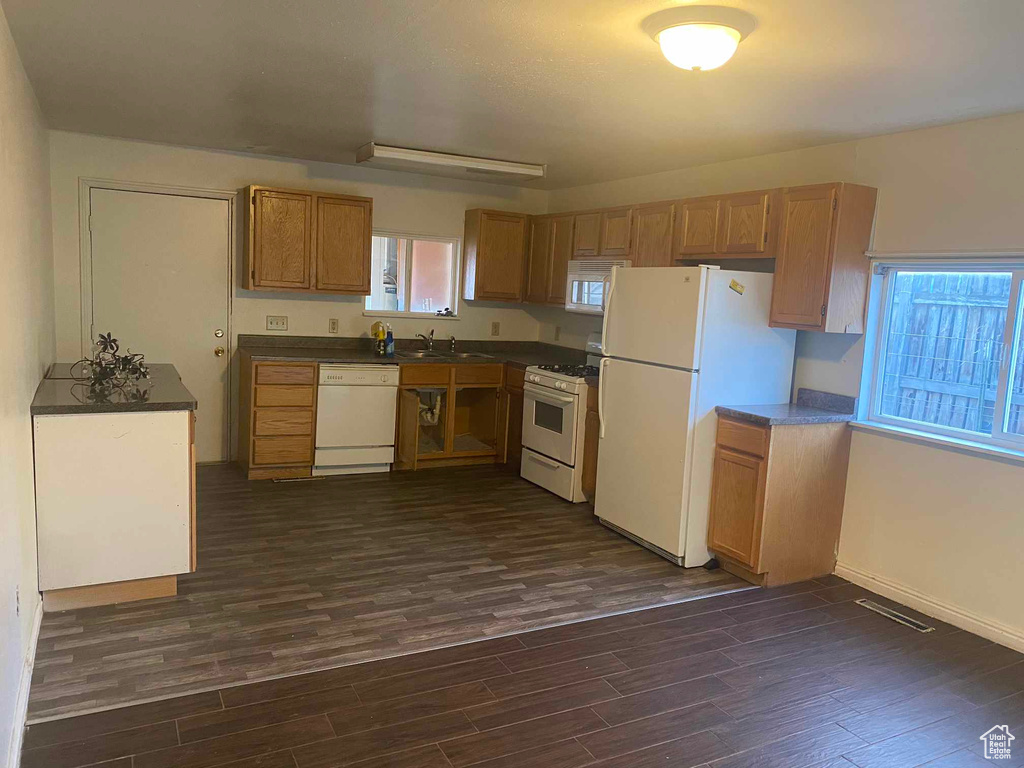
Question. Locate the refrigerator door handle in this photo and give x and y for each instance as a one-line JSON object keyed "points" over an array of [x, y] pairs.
{"points": [[606, 305], [600, 397]]}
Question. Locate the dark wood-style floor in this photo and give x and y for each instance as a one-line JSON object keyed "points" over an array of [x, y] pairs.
{"points": [[296, 577], [797, 677]]}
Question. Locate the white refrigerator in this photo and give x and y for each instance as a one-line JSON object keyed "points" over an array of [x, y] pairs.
{"points": [[677, 342]]}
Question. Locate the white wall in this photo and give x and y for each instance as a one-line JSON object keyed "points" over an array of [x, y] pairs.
{"points": [[939, 530], [936, 528], [401, 202], [26, 349]]}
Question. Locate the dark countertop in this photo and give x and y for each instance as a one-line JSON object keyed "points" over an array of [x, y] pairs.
{"points": [[811, 407], [321, 350], [783, 413], [58, 393]]}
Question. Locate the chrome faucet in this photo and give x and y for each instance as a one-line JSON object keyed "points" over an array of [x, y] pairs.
{"points": [[429, 339], [451, 340]]}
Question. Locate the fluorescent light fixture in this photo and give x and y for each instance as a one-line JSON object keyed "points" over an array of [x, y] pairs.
{"points": [[699, 37], [441, 164]]}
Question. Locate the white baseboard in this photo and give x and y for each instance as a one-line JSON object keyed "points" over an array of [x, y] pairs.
{"points": [[21, 708], [1011, 637]]}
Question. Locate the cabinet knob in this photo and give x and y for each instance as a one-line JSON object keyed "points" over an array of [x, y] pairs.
{"points": [[218, 351]]}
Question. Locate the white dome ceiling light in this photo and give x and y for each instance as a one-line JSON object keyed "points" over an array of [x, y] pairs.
{"points": [[699, 37]]}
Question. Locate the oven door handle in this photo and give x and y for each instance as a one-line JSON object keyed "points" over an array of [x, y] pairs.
{"points": [[545, 396]]}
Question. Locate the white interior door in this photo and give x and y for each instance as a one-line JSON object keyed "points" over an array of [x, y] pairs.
{"points": [[160, 283], [642, 461]]}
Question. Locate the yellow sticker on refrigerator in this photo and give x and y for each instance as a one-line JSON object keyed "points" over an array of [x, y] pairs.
{"points": [[738, 287]]}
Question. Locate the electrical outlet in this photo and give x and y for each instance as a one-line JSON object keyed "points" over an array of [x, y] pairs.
{"points": [[332, 325], [277, 322], [558, 332], [495, 328]]}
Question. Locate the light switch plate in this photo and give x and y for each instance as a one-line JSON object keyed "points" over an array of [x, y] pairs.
{"points": [[332, 325], [495, 328], [277, 322]]}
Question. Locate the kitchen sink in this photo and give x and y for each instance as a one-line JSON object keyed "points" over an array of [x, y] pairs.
{"points": [[464, 355], [419, 354]]}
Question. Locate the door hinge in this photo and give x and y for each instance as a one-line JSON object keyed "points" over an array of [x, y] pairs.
{"points": [[254, 198], [822, 310], [766, 238], [835, 202]]}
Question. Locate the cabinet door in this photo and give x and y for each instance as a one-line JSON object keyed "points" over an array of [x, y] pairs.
{"points": [[561, 252], [587, 235], [616, 232], [802, 264], [591, 440], [539, 262], [500, 257], [737, 506], [652, 235], [743, 225], [697, 227], [343, 233], [514, 433], [407, 429], [281, 239]]}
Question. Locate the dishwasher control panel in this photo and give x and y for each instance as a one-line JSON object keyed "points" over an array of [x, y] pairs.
{"points": [[359, 375]]}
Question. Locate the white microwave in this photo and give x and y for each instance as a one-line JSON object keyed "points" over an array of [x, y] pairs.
{"points": [[587, 285]]}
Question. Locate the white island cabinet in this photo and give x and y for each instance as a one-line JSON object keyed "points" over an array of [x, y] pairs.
{"points": [[115, 500]]}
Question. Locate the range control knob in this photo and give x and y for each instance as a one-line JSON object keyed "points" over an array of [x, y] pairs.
{"points": [[384, 378]]}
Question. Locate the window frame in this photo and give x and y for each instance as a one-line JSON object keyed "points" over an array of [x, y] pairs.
{"points": [[999, 437], [454, 241]]}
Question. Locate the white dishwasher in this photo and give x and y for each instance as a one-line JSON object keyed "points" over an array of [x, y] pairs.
{"points": [[355, 419]]}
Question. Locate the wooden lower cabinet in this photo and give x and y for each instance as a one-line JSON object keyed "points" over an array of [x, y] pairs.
{"points": [[277, 418], [591, 440], [514, 378], [777, 499], [451, 414]]}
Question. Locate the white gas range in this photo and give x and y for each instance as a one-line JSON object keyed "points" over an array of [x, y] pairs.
{"points": [[554, 416]]}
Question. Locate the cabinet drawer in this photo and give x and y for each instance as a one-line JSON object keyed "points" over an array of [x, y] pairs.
{"points": [[284, 395], [283, 421], [282, 450], [478, 374], [427, 373], [743, 437], [277, 373]]}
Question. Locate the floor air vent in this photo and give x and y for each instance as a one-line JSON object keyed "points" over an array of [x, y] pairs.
{"points": [[889, 613]]}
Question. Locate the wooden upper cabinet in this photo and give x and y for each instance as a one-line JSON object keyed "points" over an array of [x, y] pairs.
{"points": [[653, 228], [587, 235], [743, 223], [307, 241], [548, 263], [538, 269], [616, 232], [821, 270], [697, 228], [280, 239], [495, 255], [343, 235], [561, 253]]}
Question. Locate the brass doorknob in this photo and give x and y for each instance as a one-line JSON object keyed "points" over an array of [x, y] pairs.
{"points": [[218, 351]]}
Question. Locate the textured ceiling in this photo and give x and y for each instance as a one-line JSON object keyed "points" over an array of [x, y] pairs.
{"points": [[572, 83]]}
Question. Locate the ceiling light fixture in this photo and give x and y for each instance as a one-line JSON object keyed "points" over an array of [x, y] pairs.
{"points": [[699, 37], [442, 164]]}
